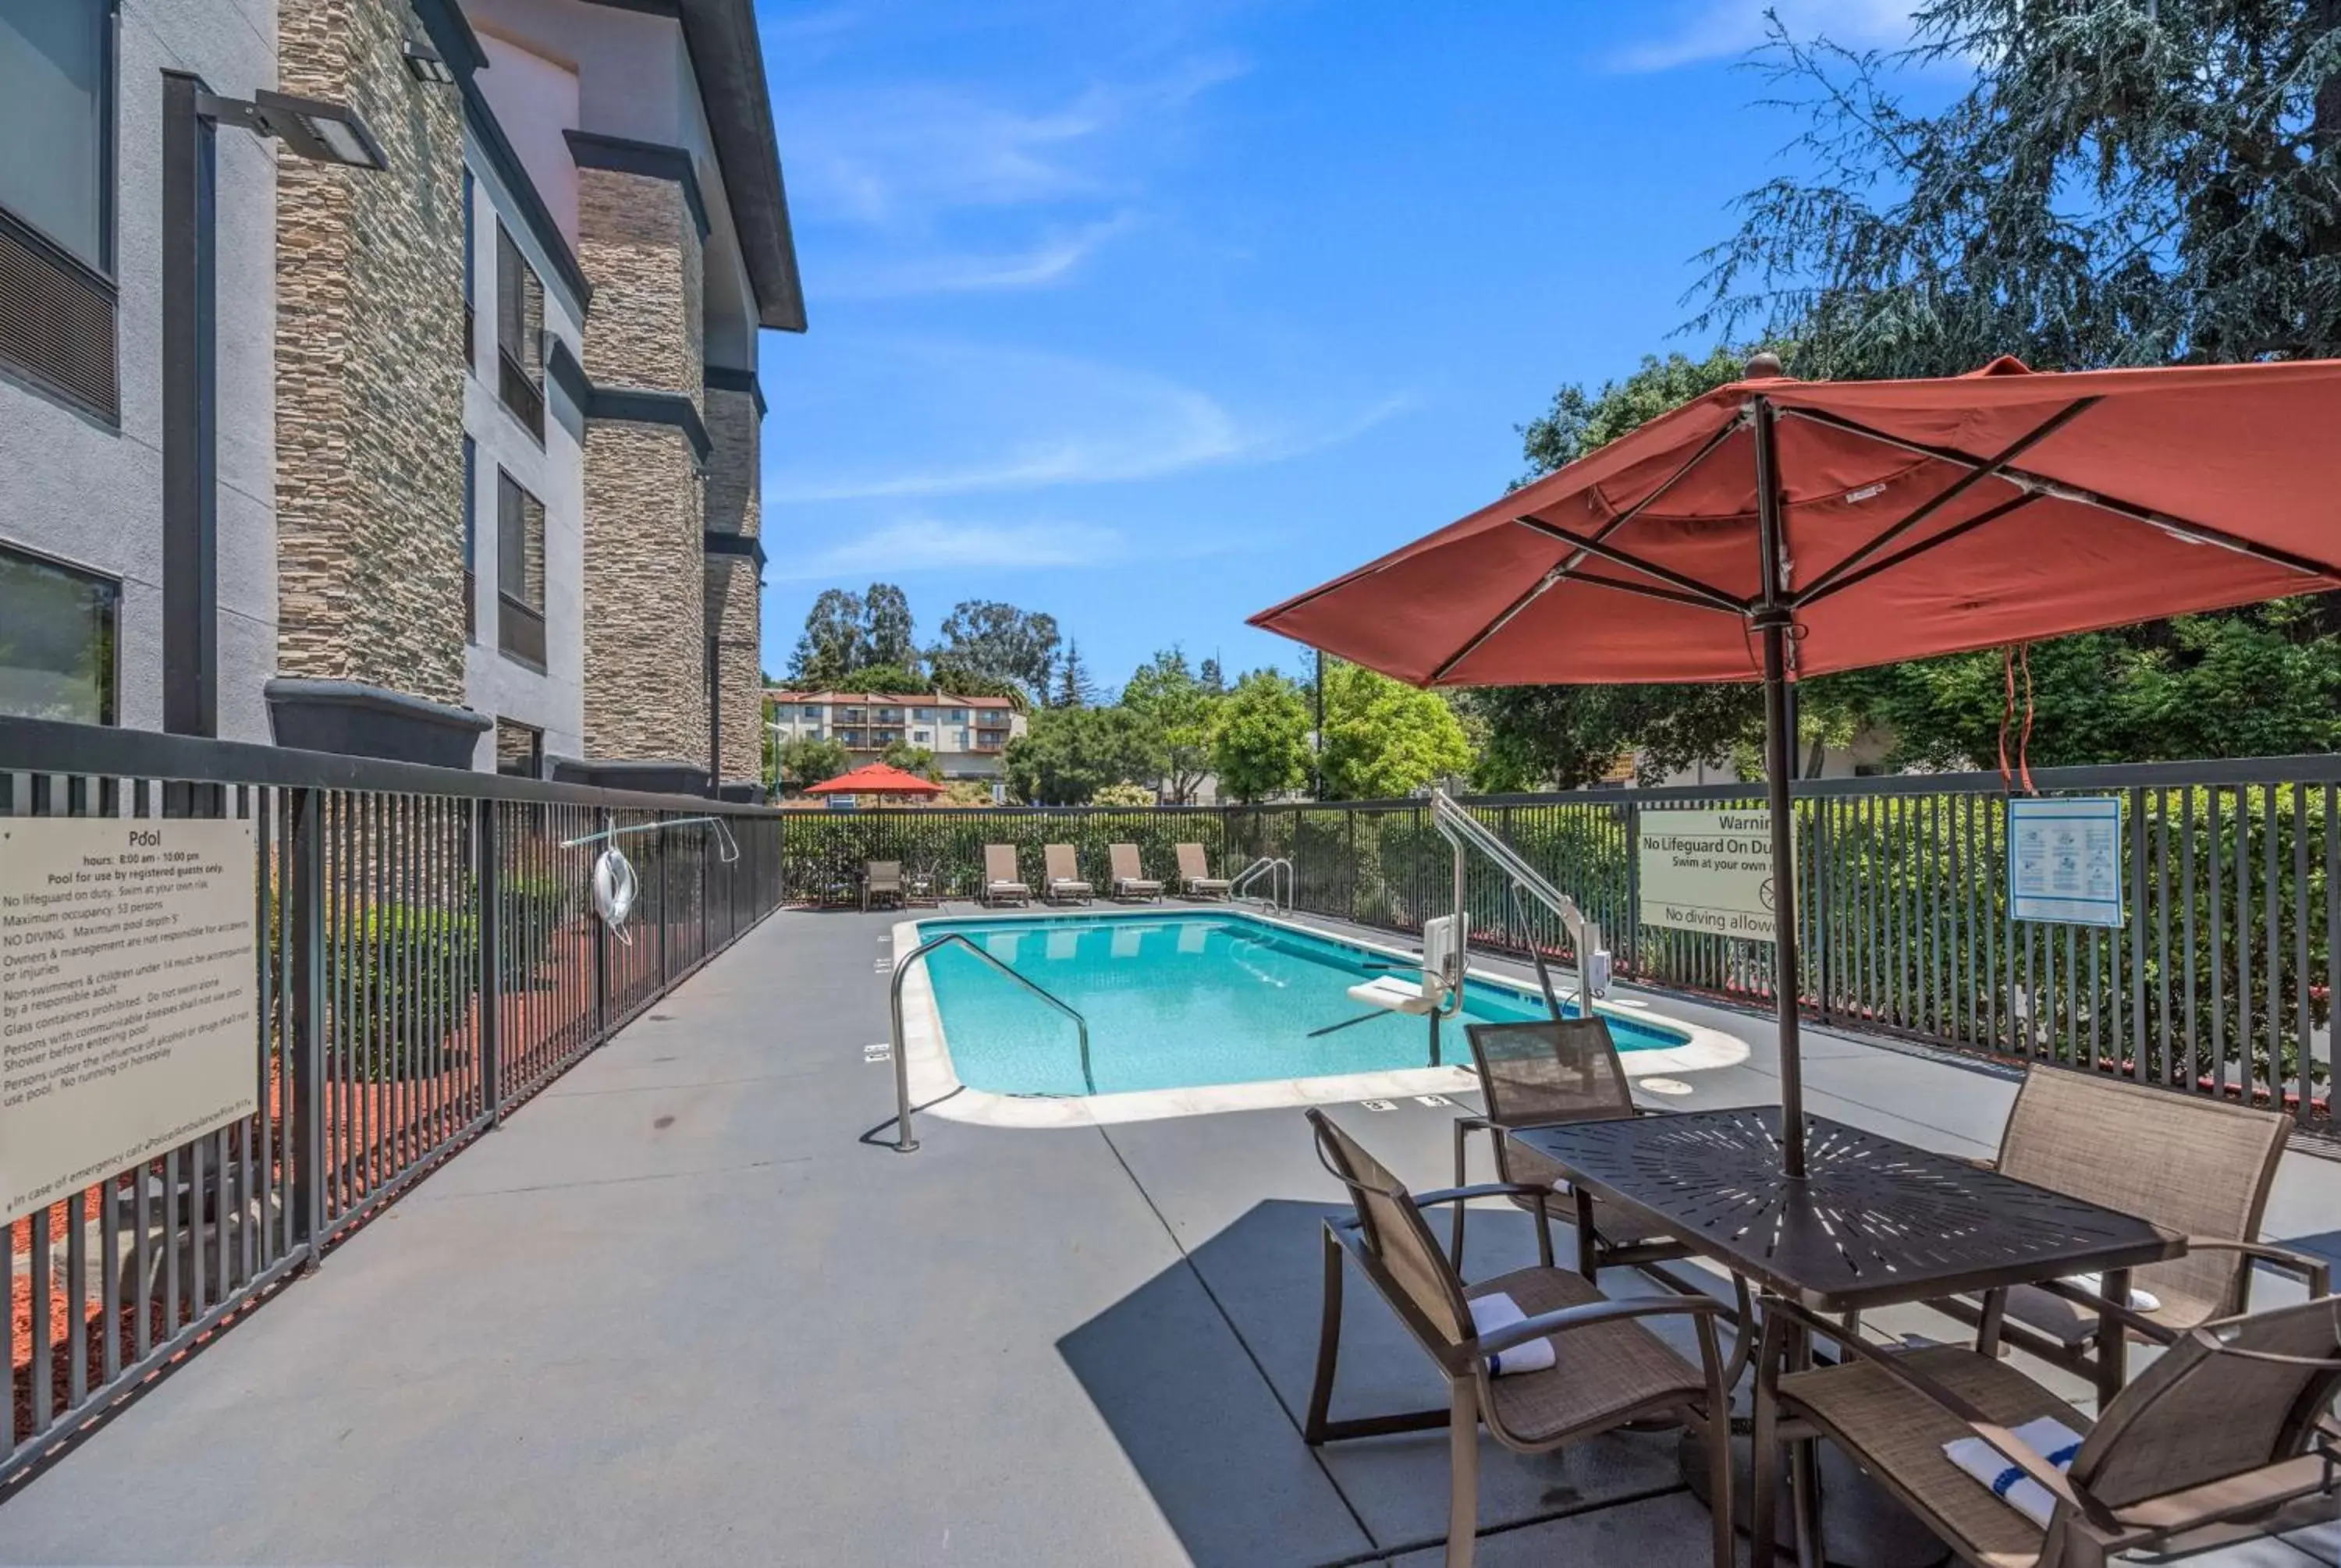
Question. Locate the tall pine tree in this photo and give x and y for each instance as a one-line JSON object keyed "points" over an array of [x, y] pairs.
{"points": [[1074, 687]]}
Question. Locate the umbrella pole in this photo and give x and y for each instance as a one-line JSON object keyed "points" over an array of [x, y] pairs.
{"points": [[1772, 619]]}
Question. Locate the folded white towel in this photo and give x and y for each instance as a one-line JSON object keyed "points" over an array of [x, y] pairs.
{"points": [[2095, 1284], [1490, 1313], [2049, 1437]]}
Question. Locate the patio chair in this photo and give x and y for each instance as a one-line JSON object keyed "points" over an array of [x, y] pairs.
{"points": [[1061, 880], [881, 879], [2202, 1168], [1001, 876], [1547, 1073], [1130, 878], [1608, 1368], [1195, 879], [2211, 1443]]}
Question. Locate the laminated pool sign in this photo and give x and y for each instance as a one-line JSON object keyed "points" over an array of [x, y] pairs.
{"points": [[128, 994], [2063, 859], [1707, 871]]}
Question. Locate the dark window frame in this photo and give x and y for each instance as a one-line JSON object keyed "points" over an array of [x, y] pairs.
{"points": [[520, 624], [519, 375], [110, 700]]}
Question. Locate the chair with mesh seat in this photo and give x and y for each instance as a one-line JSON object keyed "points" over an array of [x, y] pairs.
{"points": [[2231, 1434], [2198, 1166], [1609, 1369], [1546, 1073]]}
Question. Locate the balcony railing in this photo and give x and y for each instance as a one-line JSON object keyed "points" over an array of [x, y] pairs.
{"points": [[520, 393], [520, 631]]}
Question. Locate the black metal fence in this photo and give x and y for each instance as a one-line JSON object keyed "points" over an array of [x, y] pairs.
{"points": [[429, 958], [2220, 980]]}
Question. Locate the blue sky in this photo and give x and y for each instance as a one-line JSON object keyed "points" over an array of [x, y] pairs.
{"points": [[1150, 314]]}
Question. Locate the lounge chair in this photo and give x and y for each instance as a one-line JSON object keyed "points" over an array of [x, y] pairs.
{"points": [[1130, 878], [1061, 883], [1001, 884], [1544, 1073], [881, 879], [1195, 879], [2198, 1166], [2210, 1442], [1607, 1369]]}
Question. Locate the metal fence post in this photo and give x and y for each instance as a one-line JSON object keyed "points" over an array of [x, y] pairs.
{"points": [[1631, 929], [306, 1148], [491, 961]]}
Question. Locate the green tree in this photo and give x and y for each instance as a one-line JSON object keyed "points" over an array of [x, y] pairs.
{"points": [[1069, 754], [1074, 687], [1179, 711], [1124, 795], [998, 641], [889, 636], [912, 759], [2121, 183], [1259, 748], [885, 680], [806, 761], [1384, 739], [831, 644]]}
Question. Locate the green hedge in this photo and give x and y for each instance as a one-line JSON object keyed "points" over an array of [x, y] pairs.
{"points": [[403, 978]]}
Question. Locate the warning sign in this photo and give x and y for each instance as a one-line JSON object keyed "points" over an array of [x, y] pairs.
{"points": [[1707, 871], [128, 994]]}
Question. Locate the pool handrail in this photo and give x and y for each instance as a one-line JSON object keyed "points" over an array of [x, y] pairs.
{"points": [[903, 1142], [1267, 866], [1467, 833]]}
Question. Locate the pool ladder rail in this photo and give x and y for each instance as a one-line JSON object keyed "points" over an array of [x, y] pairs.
{"points": [[1266, 866], [903, 1142]]}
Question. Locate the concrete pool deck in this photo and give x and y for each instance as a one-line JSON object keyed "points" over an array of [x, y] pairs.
{"points": [[677, 1311]]}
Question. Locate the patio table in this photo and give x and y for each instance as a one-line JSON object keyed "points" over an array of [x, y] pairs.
{"points": [[1875, 1222]]}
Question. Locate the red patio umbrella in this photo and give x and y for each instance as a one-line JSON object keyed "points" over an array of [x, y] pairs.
{"points": [[1776, 528], [876, 779]]}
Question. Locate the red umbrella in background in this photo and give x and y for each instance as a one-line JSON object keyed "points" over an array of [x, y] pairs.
{"points": [[878, 779], [1776, 529]]}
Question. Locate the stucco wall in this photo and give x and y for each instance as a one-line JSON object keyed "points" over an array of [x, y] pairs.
{"points": [[82, 492]]}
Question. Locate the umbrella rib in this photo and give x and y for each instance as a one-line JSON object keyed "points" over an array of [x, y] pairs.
{"points": [[1926, 508], [1560, 572], [1826, 586], [1707, 593], [2057, 490]]}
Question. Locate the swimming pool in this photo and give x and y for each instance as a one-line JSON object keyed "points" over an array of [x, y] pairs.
{"points": [[1180, 999]]}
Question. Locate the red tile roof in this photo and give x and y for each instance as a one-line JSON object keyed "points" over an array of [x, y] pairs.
{"points": [[887, 699]]}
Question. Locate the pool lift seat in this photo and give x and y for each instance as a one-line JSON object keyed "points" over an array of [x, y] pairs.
{"points": [[1435, 992]]}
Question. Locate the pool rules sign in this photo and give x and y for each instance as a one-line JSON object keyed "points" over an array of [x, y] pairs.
{"points": [[1707, 871], [128, 994]]}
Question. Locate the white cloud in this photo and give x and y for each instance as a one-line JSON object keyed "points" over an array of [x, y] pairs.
{"points": [[1055, 260], [997, 421], [1723, 29], [916, 544], [892, 156]]}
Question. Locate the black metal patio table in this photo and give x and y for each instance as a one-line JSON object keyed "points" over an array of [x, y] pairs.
{"points": [[1873, 1222]]}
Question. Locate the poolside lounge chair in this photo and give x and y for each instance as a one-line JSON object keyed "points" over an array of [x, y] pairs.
{"points": [[1130, 878], [1195, 879], [2199, 1167], [1061, 883], [1607, 1370], [1543, 1074], [881, 879], [1001, 884], [2209, 1442]]}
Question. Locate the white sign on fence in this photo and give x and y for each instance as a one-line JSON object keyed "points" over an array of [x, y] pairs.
{"points": [[1707, 871], [128, 994], [2063, 859]]}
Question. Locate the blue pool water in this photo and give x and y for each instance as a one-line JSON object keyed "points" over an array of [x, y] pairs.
{"points": [[1182, 999]]}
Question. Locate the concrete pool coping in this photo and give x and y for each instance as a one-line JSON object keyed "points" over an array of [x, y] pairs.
{"points": [[935, 1088]]}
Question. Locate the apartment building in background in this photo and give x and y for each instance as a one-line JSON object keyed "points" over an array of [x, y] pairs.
{"points": [[968, 735], [489, 416]]}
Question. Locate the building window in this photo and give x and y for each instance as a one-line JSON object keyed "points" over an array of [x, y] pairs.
{"points": [[812, 710], [520, 750], [471, 540], [56, 640], [923, 737], [520, 571], [470, 264], [56, 199], [959, 715], [520, 334]]}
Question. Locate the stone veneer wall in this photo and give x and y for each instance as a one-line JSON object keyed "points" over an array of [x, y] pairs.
{"points": [[370, 368], [645, 588], [734, 606]]}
